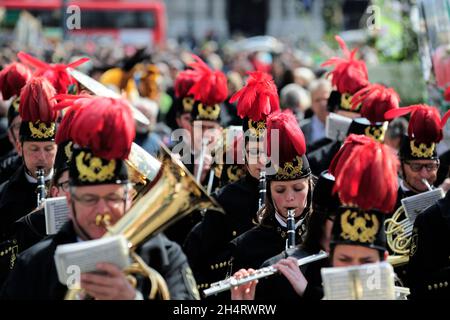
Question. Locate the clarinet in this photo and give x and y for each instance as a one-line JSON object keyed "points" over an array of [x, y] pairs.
{"points": [[227, 284], [290, 241], [262, 189], [41, 191]]}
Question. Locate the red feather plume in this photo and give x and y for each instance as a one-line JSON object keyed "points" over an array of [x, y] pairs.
{"points": [[258, 98], [184, 82], [211, 86], [36, 101], [12, 79], [447, 94], [104, 125], [73, 103], [291, 139], [424, 125], [349, 74], [375, 101], [56, 73], [366, 174]]}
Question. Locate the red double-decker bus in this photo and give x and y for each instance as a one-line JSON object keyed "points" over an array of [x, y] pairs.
{"points": [[126, 21]]}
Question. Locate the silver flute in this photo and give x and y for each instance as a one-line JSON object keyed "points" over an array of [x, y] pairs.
{"points": [[227, 284]]}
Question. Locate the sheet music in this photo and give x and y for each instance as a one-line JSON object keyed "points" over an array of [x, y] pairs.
{"points": [[56, 214], [336, 126], [85, 255], [414, 205], [373, 281]]}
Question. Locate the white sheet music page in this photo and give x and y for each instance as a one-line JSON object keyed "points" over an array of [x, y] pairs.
{"points": [[81, 257], [56, 214]]}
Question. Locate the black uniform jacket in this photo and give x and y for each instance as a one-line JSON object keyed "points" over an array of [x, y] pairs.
{"points": [[207, 244], [429, 264], [17, 198], [35, 276], [262, 242], [277, 287], [319, 158], [8, 165], [26, 232]]}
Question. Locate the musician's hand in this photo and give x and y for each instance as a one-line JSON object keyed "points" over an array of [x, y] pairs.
{"points": [[445, 185], [245, 291], [289, 268], [113, 285], [207, 163]]}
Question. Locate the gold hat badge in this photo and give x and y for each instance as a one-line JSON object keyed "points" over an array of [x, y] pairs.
{"points": [[91, 168], [359, 226]]}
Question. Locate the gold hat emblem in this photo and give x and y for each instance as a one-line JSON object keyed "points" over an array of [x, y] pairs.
{"points": [[68, 151], [234, 173], [346, 103], [290, 170], [95, 171], [423, 150], [208, 112], [257, 128], [376, 132], [188, 103], [359, 227], [42, 131], [16, 103]]}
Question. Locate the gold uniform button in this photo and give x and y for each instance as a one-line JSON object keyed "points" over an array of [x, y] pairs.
{"points": [[441, 285], [212, 267], [435, 286], [430, 287], [445, 283], [235, 233], [217, 266]]}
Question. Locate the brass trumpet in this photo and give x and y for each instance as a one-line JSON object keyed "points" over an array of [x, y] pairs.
{"points": [[170, 192]]}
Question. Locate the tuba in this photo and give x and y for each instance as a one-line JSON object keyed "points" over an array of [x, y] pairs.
{"points": [[167, 193]]}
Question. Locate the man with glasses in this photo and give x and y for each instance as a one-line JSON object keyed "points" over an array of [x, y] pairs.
{"points": [[419, 162], [102, 131]]}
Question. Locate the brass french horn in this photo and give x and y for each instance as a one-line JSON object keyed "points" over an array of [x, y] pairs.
{"points": [[398, 231], [167, 193]]}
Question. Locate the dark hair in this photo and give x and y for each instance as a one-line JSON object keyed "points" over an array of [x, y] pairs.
{"points": [[380, 252], [315, 230], [397, 128], [267, 213], [56, 175]]}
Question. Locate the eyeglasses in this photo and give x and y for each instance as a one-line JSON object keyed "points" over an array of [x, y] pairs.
{"points": [[90, 200], [417, 167], [64, 185]]}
